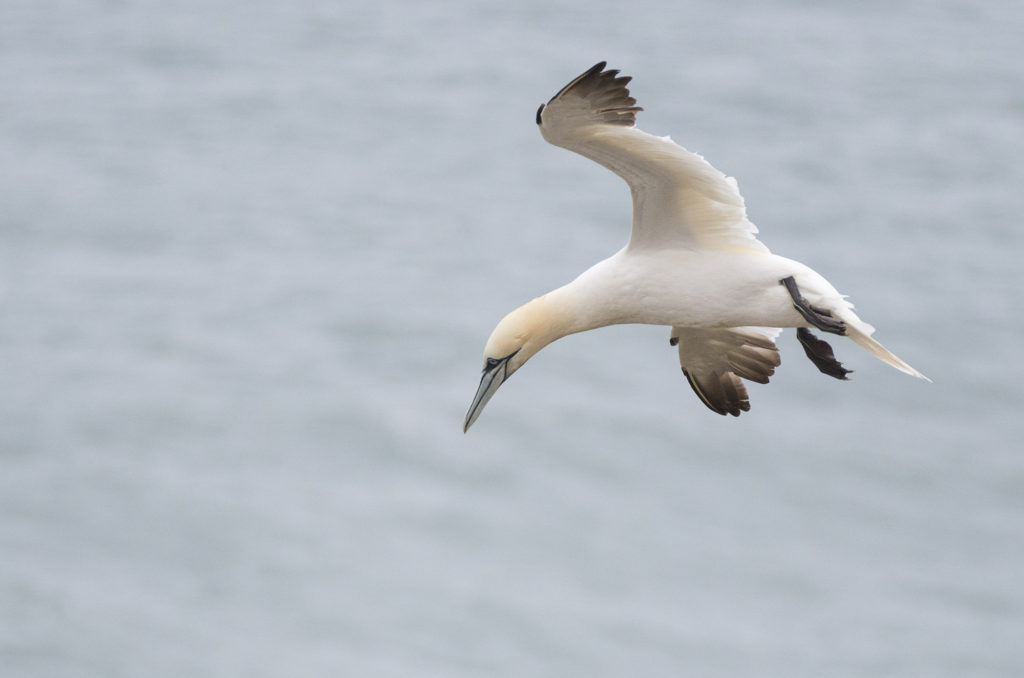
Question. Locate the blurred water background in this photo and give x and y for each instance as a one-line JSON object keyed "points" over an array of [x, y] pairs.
{"points": [[250, 253]]}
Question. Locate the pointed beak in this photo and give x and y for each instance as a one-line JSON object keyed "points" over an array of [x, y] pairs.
{"points": [[493, 377]]}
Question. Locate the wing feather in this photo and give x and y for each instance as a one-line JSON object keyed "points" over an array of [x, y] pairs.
{"points": [[679, 199], [715, 360]]}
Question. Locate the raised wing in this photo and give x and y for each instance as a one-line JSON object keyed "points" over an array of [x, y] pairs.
{"points": [[714, 361], [679, 199]]}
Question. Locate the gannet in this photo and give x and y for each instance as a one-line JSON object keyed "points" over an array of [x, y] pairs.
{"points": [[693, 263]]}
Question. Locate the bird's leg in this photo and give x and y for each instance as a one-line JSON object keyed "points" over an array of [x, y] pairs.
{"points": [[820, 318], [821, 354]]}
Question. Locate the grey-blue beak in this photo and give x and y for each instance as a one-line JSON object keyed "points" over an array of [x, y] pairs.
{"points": [[495, 374]]}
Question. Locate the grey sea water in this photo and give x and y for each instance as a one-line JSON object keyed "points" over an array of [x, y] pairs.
{"points": [[250, 253]]}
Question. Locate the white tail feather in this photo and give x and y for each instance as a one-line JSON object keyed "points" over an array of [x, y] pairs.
{"points": [[860, 332]]}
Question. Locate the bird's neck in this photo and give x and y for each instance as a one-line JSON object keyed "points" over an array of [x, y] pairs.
{"points": [[557, 314]]}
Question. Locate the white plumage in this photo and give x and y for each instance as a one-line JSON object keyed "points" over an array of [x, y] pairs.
{"points": [[693, 262]]}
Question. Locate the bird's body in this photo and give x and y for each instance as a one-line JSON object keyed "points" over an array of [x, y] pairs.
{"points": [[692, 263], [690, 289]]}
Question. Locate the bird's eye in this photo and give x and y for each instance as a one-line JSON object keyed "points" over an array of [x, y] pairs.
{"points": [[492, 362]]}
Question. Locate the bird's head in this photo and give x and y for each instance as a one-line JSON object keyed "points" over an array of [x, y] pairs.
{"points": [[516, 339]]}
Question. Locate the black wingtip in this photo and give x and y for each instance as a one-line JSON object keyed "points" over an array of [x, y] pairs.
{"points": [[727, 395], [596, 69], [605, 91]]}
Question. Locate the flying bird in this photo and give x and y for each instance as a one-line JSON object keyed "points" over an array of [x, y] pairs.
{"points": [[693, 263]]}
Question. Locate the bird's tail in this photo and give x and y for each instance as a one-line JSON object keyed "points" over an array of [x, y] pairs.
{"points": [[860, 332]]}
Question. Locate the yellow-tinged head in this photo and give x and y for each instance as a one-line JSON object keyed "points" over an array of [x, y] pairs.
{"points": [[516, 339]]}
